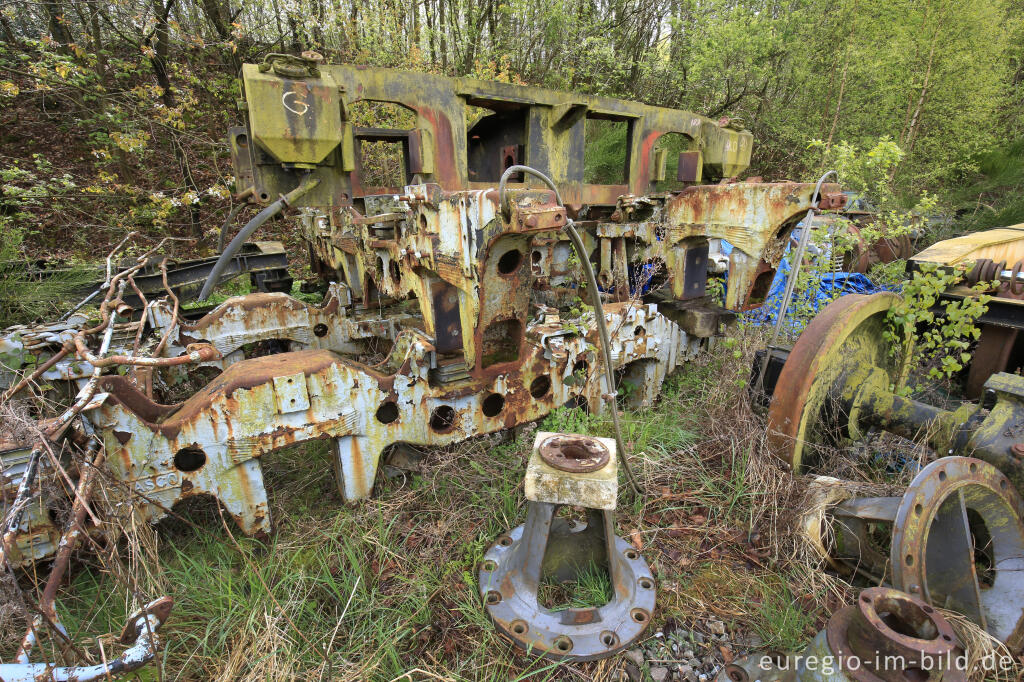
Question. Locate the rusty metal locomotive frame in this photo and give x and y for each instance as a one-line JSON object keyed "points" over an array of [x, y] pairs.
{"points": [[478, 303]]}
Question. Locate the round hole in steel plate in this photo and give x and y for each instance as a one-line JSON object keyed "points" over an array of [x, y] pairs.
{"points": [[646, 583], [442, 419], [492, 405], [639, 615], [320, 330], [563, 643], [504, 541], [609, 638], [540, 386], [189, 459], [489, 565], [387, 412], [519, 627], [509, 261], [493, 597], [632, 555]]}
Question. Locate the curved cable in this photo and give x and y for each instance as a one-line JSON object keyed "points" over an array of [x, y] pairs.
{"points": [[308, 183], [602, 327], [232, 214]]}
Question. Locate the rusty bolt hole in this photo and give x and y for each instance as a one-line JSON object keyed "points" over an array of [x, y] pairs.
{"points": [[189, 459], [442, 419], [320, 330], [519, 627], [504, 541], [645, 583], [493, 597], [540, 386], [563, 643], [510, 261], [489, 565], [639, 615], [493, 405], [609, 638], [906, 618], [387, 412], [632, 555]]}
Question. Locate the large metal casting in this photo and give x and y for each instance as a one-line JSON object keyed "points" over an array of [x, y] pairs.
{"points": [[839, 380], [579, 471], [637, 219], [954, 539], [450, 316], [886, 636]]}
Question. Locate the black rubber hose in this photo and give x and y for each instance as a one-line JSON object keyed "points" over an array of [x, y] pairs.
{"points": [[232, 214], [602, 327], [263, 216]]}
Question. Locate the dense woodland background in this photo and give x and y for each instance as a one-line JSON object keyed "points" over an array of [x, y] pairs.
{"points": [[114, 111]]}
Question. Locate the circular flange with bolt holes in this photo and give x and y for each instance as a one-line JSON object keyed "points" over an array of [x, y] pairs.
{"points": [[509, 581], [958, 543]]}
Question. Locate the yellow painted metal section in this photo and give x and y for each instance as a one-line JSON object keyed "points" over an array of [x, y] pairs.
{"points": [[1001, 244]]}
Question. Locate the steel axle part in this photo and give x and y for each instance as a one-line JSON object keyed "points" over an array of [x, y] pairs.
{"points": [[839, 380], [887, 636], [954, 539]]}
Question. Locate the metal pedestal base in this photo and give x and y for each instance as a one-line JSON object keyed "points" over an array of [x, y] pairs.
{"points": [[511, 572]]}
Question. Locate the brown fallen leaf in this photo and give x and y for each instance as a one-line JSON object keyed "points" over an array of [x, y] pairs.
{"points": [[636, 539], [726, 654]]}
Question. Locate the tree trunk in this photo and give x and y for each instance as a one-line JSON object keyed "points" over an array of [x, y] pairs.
{"points": [[55, 20], [916, 118]]}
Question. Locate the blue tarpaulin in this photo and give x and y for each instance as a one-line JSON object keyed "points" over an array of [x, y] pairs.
{"points": [[830, 287]]}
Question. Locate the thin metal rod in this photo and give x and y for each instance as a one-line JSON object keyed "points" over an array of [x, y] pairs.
{"points": [[794, 272]]}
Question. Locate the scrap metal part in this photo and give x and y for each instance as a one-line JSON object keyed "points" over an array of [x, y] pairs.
{"points": [[995, 256], [580, 471], [840, 380], [140, 631], [954, 539], [475, 308], [230, 328], [886, 636]]}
